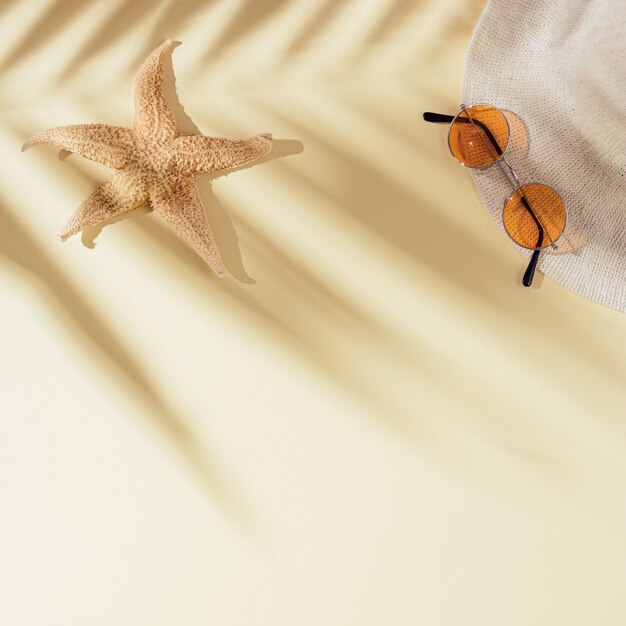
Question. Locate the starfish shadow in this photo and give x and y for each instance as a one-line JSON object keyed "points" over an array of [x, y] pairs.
{"points": [[184, 123], [221, 222]]}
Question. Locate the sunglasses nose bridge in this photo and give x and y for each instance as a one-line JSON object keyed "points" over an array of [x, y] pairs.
{"points": [[509, 172]]}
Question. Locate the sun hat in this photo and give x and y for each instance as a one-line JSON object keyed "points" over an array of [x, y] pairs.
{"points": [[556, 69]]}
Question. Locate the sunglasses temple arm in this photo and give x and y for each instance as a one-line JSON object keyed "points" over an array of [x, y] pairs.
{"points": [[527, 280], [437, 118], [532, 266]]}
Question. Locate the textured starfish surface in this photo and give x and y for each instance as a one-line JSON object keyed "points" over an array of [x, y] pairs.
{"points": [[154, 164]]}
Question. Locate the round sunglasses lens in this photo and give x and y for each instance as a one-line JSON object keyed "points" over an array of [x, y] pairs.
{"points": [[534, 216], [478, 135]]}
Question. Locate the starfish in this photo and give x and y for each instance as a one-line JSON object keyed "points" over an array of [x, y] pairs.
{"points": [[154, 164]]}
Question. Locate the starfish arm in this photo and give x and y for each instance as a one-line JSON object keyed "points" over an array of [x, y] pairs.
{"points": [[110, 145], [197, 154], [180, 206], [154, 120], [122, 192]]}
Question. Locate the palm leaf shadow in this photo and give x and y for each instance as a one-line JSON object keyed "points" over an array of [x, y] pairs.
{"points": [[249, 16], [49, 24], [123, 19], [17, 246], [314, 25]]}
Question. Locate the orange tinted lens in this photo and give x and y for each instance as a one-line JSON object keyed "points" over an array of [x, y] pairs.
{"points": [[534, 216], [478, 135]]}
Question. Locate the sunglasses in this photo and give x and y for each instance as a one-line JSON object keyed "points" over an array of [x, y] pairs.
{"points": [[534, 215]]}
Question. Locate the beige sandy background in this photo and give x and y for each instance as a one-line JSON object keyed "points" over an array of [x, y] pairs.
{"points": [[370, 423]]}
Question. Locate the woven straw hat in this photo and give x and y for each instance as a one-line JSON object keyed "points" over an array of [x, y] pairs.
{"points": [[556, 69]]}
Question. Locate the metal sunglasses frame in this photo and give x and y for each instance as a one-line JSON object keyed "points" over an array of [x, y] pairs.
{"points": [[509, 173]]}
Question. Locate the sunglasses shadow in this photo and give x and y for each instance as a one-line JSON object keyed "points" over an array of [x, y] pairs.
{"points": [[519, 138]]}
